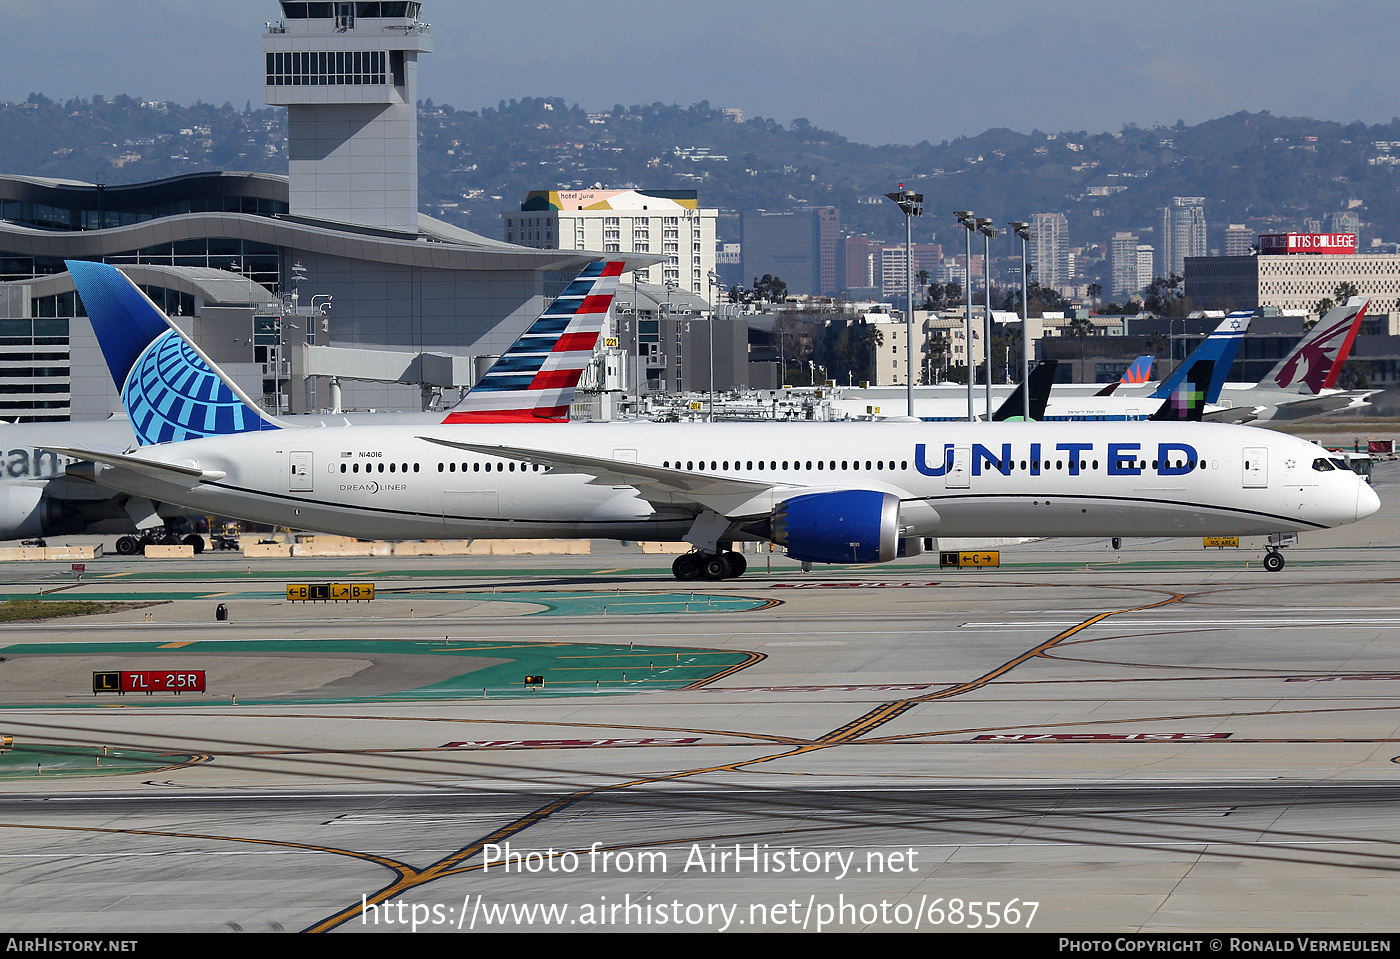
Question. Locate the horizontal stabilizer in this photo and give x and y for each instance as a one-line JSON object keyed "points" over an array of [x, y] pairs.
{"points": [[172, 472]]}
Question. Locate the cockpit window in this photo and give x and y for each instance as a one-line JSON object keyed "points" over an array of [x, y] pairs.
{"points": [[1323, 465], [1341, 464]]}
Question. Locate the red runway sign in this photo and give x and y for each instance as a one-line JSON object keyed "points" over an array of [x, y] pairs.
{"points": [[149, 681]]}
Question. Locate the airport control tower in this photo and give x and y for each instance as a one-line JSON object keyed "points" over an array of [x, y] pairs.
{"points": [[347, 73]]}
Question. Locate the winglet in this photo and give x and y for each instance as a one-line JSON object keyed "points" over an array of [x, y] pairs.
{"points": [[535, 379], [170, 389]]}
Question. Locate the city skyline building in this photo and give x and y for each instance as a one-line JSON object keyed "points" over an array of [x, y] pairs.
{"points": [[668, 223], [1183, 233], [797, 246], [1053, 263], [1123, 253]]}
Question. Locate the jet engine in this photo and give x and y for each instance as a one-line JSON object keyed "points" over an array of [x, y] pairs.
{"points": [[844, 526], [26, 512]]}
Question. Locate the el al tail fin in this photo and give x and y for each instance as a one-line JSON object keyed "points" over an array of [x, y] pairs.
{"points": [[1188, 401], [1316, 362], [1221, 347], [535, 379], [1041, 378], [170, 389]]}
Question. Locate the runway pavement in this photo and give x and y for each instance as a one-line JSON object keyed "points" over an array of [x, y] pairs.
{"points": [[1157, 738]]}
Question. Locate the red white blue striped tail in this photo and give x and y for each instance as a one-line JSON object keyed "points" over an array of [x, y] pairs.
{"points": [[535, 379]]}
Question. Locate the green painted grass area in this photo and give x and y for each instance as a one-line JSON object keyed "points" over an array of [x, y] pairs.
{"points": [[569, 669], [38, 761], [555, 603]]}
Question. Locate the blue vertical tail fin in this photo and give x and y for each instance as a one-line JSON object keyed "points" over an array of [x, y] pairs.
{"points": [[1220, 347], [170, 389]]}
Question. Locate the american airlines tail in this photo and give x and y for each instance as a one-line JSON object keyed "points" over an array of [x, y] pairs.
{"points": [[171, 390], [535, 379], [1316, 362]]}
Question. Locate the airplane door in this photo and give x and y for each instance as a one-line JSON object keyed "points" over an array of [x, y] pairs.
{"points": [[299, 478], [1256, 467], [959, 475]]}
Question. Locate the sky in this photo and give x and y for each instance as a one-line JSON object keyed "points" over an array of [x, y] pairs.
{"points": [[881, 71]]}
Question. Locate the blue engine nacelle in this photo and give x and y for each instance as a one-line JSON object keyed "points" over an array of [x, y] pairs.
{"points": [[846, 526]]}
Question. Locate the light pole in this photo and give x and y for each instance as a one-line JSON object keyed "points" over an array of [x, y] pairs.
{"points": [[714, 282], [913, 205], [1023, 230], [984, 225], [966, 219]]}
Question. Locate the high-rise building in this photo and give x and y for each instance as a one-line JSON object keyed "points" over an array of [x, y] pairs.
{"points": [[1053, 263], [1183, 233], [892, 260], [666, 222], [798, 247], [348, 76], [1344, 221], [1123, 253], [1145, 256], [1238, 239]]}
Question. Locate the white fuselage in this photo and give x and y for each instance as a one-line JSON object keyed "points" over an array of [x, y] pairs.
{"points": [[954, 479]]}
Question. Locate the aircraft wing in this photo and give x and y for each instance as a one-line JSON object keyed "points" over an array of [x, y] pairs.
{"points": [[729, 496], [170, 472]]}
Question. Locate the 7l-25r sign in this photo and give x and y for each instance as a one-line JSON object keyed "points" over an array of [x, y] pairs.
{"points": [[149, 681]]}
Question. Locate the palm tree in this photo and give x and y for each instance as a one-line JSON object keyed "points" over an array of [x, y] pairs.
{"points": [[1095, 291]]}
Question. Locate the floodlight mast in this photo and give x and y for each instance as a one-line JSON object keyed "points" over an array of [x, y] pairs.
{"points": [[912, 204], [1023, 230], [984, 226], [966, 219]]}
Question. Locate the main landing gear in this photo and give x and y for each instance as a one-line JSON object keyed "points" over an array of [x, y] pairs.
{"points": [[131, 545], [726, 564]]}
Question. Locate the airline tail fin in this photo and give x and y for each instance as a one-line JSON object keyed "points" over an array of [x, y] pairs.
{"points": [[1316, 362], [1221, 347], [1139, 372], [1041, 378], [1187, 402], [170, 389], [535, 379]]}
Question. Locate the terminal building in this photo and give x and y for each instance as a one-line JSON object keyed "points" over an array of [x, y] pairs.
{"points": [[344, 226]]}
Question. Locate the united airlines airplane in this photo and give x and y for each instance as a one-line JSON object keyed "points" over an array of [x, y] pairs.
{"points": [[506, 463]]}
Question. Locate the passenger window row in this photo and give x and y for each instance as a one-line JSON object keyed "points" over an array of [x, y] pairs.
{"points": [[381, 467], [759, 466]]}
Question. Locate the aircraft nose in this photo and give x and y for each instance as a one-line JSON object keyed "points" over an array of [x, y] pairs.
{"points": [[1367, 502]]}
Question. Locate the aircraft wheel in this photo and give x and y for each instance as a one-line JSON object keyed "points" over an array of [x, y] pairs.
{"points": [[1117, 542], [737, 564], [686, 567], [716, 567], [128, 546], [195, 541], [1273, 562]]}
